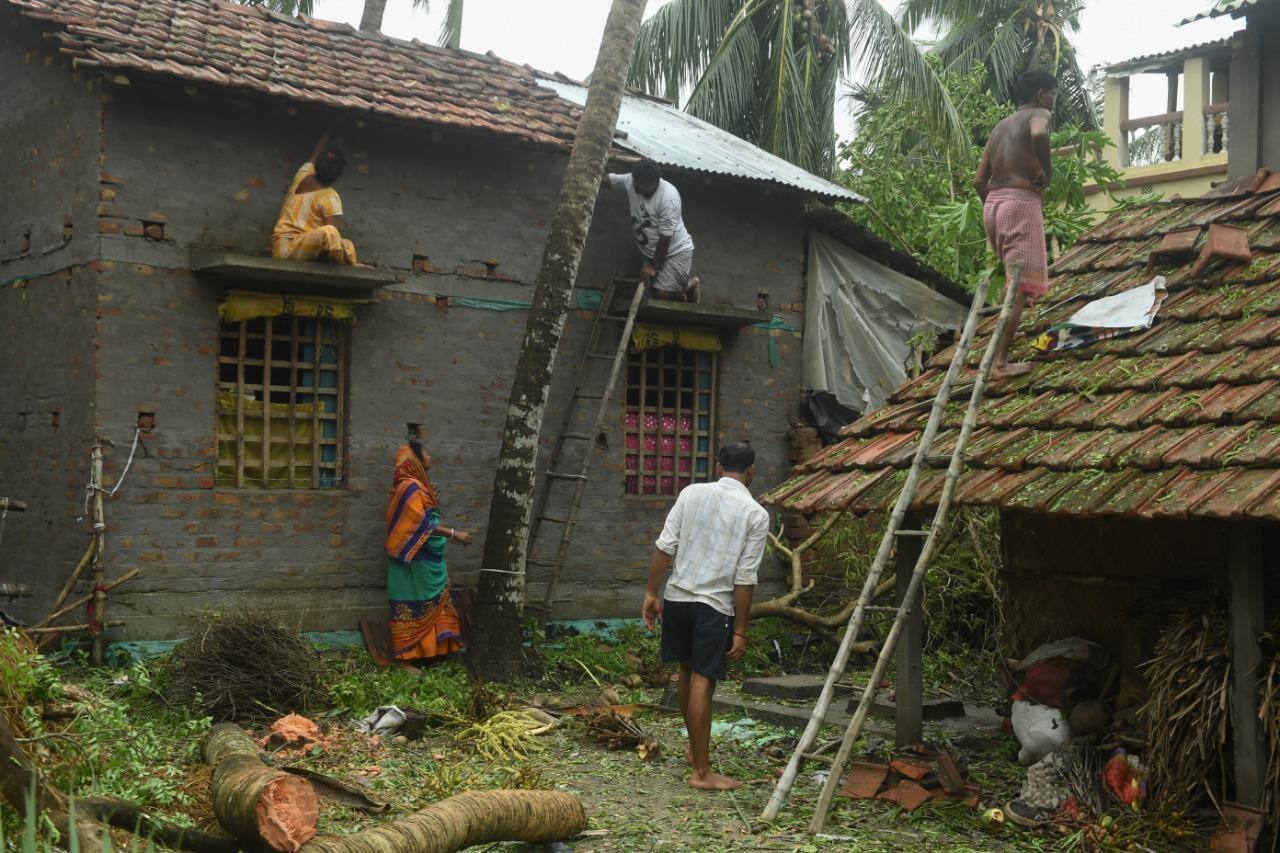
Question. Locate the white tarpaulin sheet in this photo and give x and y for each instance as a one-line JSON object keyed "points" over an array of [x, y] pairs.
{"points": [[860, 317], [1133, 309]]}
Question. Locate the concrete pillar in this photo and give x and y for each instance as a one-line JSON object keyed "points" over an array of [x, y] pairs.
{"points": [[1115, 109], [1195, 97], [1246, 103], [909, 686], [1248, 624]]}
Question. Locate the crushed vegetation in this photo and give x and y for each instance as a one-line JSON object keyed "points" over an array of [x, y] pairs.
{"points": [[612, 744]]}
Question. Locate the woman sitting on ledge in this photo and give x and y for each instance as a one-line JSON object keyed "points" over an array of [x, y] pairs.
{"points": [[307, 229]]}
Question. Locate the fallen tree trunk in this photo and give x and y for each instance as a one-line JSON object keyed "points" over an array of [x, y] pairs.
{"points": [[19, 780], [130, 816], [259, 805], [463, 820]]}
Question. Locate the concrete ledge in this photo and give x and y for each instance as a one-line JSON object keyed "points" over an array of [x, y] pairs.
{"points": [[290, 275], [686, 314]]}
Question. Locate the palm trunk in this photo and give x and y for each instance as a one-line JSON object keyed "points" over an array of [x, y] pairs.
{"points": [[496, 651], [371, 17]]}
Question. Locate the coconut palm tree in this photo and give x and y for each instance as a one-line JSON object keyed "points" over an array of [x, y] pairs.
{"points": [[496, 651], [1009, 37], [767, 70]]}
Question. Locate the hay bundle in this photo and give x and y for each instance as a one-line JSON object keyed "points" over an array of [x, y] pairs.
{"points": [[245, 664], [1188, 711]]}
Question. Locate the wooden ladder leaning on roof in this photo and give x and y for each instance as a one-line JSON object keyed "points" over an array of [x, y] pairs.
{"points": [[581, 391], [932, 540]]}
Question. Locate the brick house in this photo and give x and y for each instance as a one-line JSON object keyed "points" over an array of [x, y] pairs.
{"points": [[148, 146]]}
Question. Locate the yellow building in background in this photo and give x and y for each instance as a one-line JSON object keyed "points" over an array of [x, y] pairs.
{"points": [[1182, 151]]}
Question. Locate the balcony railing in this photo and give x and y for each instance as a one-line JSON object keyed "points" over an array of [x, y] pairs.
{"points": [[1153, 139], [1215, 128]]}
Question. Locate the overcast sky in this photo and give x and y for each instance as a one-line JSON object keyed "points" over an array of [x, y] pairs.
{"points": [[563, 35]]}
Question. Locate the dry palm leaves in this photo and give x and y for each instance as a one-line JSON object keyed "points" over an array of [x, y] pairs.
{"points": [[620, 731], [1270, 714], [245, 664], [1188, 709]]}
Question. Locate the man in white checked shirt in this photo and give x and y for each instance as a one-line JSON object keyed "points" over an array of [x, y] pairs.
{"points": [[715, 535]]}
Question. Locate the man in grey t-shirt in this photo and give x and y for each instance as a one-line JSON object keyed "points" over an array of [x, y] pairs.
{"points": [[659, 230]]}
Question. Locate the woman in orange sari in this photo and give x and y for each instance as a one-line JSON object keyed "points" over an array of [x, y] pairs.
{"points": [[424, 621]]}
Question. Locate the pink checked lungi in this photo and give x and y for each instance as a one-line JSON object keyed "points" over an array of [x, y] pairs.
{"points": [[1014, 220]]}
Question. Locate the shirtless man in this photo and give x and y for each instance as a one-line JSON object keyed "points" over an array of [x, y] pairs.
{"points": [[1011, 180]]}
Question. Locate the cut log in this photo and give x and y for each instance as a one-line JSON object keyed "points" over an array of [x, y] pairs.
{"points": [[463, 820], [259, 805]]}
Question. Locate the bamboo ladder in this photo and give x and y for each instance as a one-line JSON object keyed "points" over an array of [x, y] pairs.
{"points": [[894, 531], [582, 391]]}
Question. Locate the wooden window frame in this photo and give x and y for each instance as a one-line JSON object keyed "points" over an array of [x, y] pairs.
{"points": [[239, 337], [640, 399]]}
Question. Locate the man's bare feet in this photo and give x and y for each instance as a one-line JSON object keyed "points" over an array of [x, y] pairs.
{"points": [[1008, 371], [713, 782], [691, 292]]}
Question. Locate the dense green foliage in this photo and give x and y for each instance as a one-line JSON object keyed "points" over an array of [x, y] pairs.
{"points": [[921, 196]]}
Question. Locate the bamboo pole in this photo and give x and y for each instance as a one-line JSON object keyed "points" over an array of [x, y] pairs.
{"points": [[71, 629], [75, 575], [99, 539], [819, 714], [934, 541], [100, 589]]}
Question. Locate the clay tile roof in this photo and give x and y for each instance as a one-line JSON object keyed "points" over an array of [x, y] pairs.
{"points": [[1182, 420], [305, 59]]}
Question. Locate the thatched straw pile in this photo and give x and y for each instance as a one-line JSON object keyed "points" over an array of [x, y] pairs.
{"points": [[245, 664]]}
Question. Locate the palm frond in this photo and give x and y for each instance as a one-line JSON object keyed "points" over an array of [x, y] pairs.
{"points": [[451, 26], [913, 13], [725, 94], [880, 45], [678, 42], [1075, 102]]}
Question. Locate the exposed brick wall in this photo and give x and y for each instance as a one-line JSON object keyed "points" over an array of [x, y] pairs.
{"points": [[49, 140], [475, 213]]}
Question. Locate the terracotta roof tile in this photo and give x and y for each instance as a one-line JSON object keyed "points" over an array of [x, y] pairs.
{"points": [[307, 60], [1181, 420]]}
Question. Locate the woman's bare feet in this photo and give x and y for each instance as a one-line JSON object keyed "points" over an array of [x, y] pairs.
{"points": [[408, 667], [713, 782], [1008, 371]]}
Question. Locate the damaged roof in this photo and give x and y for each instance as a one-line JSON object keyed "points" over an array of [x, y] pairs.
{"points": [[1224, 7], [334, 65], [307, 60], [1181, 420], [668, 135]]}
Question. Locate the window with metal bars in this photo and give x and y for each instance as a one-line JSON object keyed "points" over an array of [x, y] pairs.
{"points": [[669, 420], [281, 403]]}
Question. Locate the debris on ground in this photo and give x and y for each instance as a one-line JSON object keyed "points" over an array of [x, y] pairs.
{"points": [[245, 665], [916, 776], [618, 731], [506, 735], [292, 734]]}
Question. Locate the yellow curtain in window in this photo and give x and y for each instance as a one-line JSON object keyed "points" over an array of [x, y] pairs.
{"points": [[278, 473], [645, 337], [240, 305]]}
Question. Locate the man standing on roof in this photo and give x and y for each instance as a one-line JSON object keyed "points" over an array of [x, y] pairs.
{"points": [[1015, 170], [659, 230], [715, 536], [307, 228]]}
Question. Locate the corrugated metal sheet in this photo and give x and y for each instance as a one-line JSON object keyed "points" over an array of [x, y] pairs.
{"points": [[1139, 64], [672, 137], [1223, 7]]}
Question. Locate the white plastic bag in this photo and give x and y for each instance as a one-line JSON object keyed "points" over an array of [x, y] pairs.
{"points": [[1039, 729]]}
